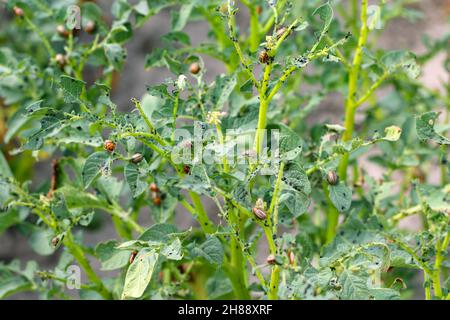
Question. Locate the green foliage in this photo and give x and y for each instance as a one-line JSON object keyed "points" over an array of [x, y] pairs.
{"points": [[250, 168]]}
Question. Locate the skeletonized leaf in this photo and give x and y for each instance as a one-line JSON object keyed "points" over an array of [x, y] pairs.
{"points": [[393, 133]]}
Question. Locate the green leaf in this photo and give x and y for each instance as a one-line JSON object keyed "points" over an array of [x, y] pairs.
{"points": [[115, 54], [5, 170], [354, 286], [325, 13], [140, 273], [72, 88], [211, 250], [218, 285], [40, 239], [180, 18], [136, 176], [384, 294], [160, 232], [296, 178], [403, 61], [296, 202], [221, 90], [96, 164], [111, 257], [173, 251], [425, 128], [14, 280], [341, 196], [76, 198]]}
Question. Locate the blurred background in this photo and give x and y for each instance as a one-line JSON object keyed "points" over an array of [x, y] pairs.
{"points": [[402, 33]]}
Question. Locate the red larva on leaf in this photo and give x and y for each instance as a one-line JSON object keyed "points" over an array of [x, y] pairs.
{"points": [[153, 187], [156, 200], [109, 146], [18, 12]]}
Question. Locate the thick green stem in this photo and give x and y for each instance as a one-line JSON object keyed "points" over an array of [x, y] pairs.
{"points": [[351, 103], [237, 266], [254, 29], [274, 281], [436, 276]]}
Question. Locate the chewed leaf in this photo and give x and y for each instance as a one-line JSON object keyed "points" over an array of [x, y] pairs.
{"points": [[325, 13], [425, 128], [392, 133], [95, 164], [341, 197], [403, 61], [72, 88], [296, 178], [140, 273], [136, 175]]}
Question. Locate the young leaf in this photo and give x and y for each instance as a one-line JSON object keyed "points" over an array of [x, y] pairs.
{"points": [[392, 133]]}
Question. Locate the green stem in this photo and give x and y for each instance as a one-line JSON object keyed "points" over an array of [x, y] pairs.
{"points": [[436, 277], [350, 105], [222, 142], [274, 282], [175, 111], [426, 280], [237, 266], [274, 202], [237, 47]]}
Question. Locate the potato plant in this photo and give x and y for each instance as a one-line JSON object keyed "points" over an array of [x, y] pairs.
{"points": [[282, 203]]}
